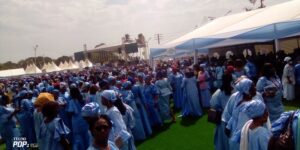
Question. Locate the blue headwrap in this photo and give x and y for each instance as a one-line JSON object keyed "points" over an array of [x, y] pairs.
{"points": [[255, 108], [126, 84], [50, 89], [109, 95], [244, 85], [111, 78], [23, 93], [55, 91], [140, 74], [90, 110]]}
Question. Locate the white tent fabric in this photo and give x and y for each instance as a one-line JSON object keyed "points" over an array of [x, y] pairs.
{"points": [[272, 31], [51, 67], [12, 72], [63, 65], [154, 52], [269, 15], [44, 66], [77, 64], [205, 30], [67, 65], [88, 63], [82, 64], [277, 18], [213, 27], [72, 66], [32, 69], [270, 23], [230, 42]]}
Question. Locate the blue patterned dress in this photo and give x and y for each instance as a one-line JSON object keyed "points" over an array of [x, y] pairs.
{"points": [[150, 91], [8, 128], [218, 102], [25, 117], [137, 91], [80, 136], [51, 133], [191, 104], [138, 129], [274, 104]]}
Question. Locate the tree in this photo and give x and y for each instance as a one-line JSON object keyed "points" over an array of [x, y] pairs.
{"points": [[141, 40], [9, 65], [253, 2], [62, 59], [127, 39]]}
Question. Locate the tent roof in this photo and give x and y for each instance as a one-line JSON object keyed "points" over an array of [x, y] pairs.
{"points": [[230, 42], [51, 67], [277, 13], [113, 48], [212, 27], [12, 72], [32, 68], [232, 25]]}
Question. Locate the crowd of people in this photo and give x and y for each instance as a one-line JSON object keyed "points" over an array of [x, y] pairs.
{"points": [[112, 106]]}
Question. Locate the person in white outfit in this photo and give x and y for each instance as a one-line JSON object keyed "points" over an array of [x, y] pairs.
{"points": [[288, 79]]}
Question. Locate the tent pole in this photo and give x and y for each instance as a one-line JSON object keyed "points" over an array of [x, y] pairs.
{"points": [[195, 52], [151, 62], [277, 46], [195, 56], [298, 39]]}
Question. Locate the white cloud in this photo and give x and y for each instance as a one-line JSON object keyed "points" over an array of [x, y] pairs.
{"points": [[62, 27]]}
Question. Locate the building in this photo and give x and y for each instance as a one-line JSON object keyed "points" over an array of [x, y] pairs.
{"points": [[107, 54]]}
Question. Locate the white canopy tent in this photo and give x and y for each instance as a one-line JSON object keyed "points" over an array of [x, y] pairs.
{"points": [[172, 53], [71, 65], [230, 42], [213, 27], [44, 66], [63, 65], [32, 69], [205, 30], [88, 63], [77, 64], [82, 64], [51, 67], [12, 72], [282, 18], [272, 23]]}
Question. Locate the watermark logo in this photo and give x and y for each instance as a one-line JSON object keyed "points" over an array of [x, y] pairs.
{"points": [[20, 142]]}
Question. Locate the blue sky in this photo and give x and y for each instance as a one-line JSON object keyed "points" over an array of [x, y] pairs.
{"points": [[61, 27]]}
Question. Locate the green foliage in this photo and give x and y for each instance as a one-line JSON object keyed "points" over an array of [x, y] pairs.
{"points": [[62, 59], [9, 65], [40, 61]]}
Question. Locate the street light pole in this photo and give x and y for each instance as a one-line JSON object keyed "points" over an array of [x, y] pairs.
{"points": [[35, 47]]}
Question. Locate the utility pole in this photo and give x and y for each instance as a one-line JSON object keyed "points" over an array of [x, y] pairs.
{"points": [[85, 51], [158, 37]]}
